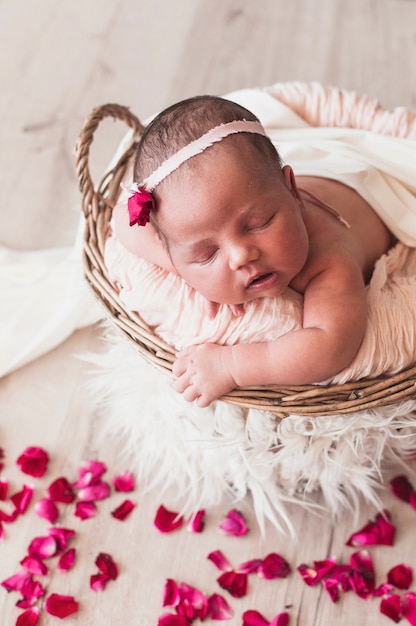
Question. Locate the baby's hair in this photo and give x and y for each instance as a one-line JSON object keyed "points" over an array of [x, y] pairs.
{"points": [[181, 123]]}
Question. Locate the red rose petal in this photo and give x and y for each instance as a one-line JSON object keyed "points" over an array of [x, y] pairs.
{"points": [[362, 577], [124, 510], [4, 486], [312, 575], [254, 618], [98, 582], [280, 620], [172, 620], [89, 473], [234, 524], [401, 487], [235, 583], [196, 522], [409, 607], [331, 586], [17, 581], [220, 561], [171, 594], [167, 521], [21, 500], [274, 566], [34, 565], [218, 608], [47, 509], [28, 618], [391, 606], [400, 576], [250, 567], [61, 606], [106, 565], [85, 510], [195, 599], [66, 560], [61, 491], [124, 482], [33, 461], [62, 536], [43, 547], [377, 532]]}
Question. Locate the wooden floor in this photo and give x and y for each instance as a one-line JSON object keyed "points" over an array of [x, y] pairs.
{"points": [[58, 60]]}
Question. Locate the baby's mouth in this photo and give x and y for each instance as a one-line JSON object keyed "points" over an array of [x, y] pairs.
{"points": [[263, 281]]}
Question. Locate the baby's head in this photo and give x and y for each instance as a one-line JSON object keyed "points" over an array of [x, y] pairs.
{"points": [[210, 166]]}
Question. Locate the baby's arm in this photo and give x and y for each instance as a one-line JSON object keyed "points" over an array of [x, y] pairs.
{"points": [[335, 317]]}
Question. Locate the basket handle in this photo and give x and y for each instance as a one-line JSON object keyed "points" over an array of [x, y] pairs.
{"points": [[92, 197]]}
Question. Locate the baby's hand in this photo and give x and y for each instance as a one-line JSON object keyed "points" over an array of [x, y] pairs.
{"points": [[202, 374], [211, 308]]}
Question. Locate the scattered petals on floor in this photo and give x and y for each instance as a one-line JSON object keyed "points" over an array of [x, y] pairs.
{"points": [[167, 521], [234, 524]]}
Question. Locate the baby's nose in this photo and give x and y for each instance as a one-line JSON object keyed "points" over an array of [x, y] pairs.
{"points": [[240, 255]]}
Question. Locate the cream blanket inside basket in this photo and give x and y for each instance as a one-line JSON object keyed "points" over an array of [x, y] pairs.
{"points": [[225, 450]]}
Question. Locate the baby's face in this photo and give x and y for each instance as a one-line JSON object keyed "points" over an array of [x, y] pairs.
{"points": [[234, 232]]}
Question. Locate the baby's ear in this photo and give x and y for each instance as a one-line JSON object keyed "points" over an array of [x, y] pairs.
{"points": [[289, 176]]}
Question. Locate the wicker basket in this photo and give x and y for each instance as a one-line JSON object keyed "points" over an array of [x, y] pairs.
{"points": [[98, 201]]}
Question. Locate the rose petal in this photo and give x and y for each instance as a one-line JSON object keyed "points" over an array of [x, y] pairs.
{"points": [[254, 618], [89, 473], [391, 606], [234, 524], [362, 577], [61, 491], [97, 491], [409, 607], [312, 575], [235, 583], [167, 521], [106, 565], [331, 586], [280, 620], [98, 582], [4, 486], [43, 547], [34, 565], [60, 606], [172, 620], [124, 482], [124, 510], [62, 536], [400, 576], [401, 487], [194, 598], [33, 461], [218, 608], [85, 510], [47, 509], [250, 567], [21, 500], [220, 561], [274, 566], [196, 522], [17, 581], [66, 560], [32, 590], [377, 532], [28, 618], [171, 595]]}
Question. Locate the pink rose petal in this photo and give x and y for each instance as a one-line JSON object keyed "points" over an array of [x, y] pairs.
{"points": [[172, 620], [280, 620], [96, 491], [409, 607], [124, 482], [312, 575], [235, 583], [34, 565], [220, 561], [195, 601], [196, 522], [21, 500], [17, 581], [400, 576], [43, 547], [47, 509], [401, 487], [274, 566], [106, 565], [167, 521], [33, 461], [85, 510], [61, 606], [234, 524], [4, 486], [61, 491], [218, 608], [171, 594], [124, 510], [391, 606], [28, 618], [331, 586], [90, 472], [377, 532], [362, 577], [250, 567], [66, 560], [62, 536], [98, 582], [254, 618]]}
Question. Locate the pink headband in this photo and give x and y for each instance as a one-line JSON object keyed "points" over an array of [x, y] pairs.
{"points": [[141, 202]]}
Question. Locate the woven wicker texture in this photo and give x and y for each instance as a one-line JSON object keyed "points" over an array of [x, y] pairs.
{"points": [[98, 201]]}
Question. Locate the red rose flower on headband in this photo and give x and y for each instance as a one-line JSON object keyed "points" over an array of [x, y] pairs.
{"points": [[139, 206]]}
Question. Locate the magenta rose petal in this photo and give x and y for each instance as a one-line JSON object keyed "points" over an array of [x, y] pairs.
{"points": [[61, 536], [33, 461], [331, 586], [196, 522], [401, 487], [192, 597], [171, 594], [378, 532], [17, 581], [235, 583], [400, 576], [409, 607], [274, 566], [124, 482], [4, 487], [43, 547], [167, 521], [96, 491], [220, 561], [254, 618], [362, 577], [34, 565], [46, 508], [313, 574], [218, 608], [89, 473], [85, 510], [124, 510], [106, 565], [61, 606], [21, 500], [250, 567], [234, 524], [280, 620], [391, 606], [61, 491], [412, 500], [169, 619], [28, 618], [98, 582], [66, 560], [139, 206]]}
